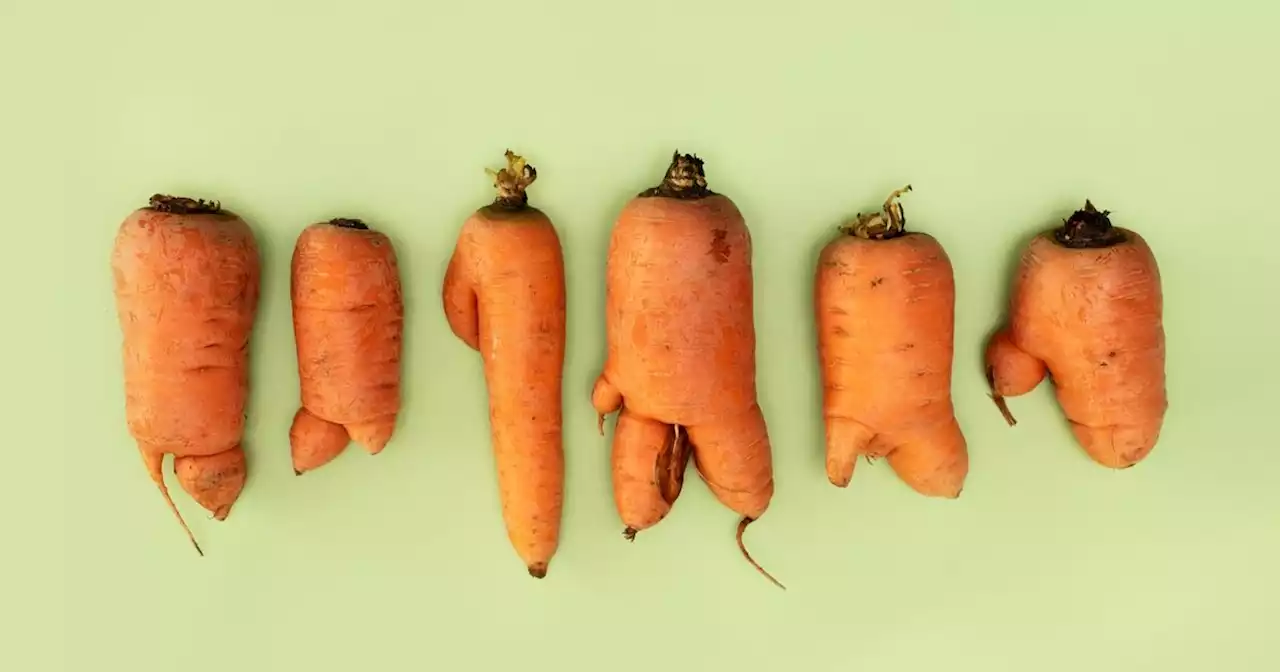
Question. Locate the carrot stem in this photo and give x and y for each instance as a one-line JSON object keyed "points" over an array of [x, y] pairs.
{"points": [[345, 223], [742, 527], [512, 181], [890, 222], [155, 463], [1088, 228], [685, 179], [180, 205]]}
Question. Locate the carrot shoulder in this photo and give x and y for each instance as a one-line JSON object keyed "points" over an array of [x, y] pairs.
{"points": [[504, 296], [186, 283], [348, 322], [680, 361], [1087, 309], [885, 307]]}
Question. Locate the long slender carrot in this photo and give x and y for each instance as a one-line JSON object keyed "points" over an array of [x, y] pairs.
{"points": [[504, 296], [681, 353], [885, 305], [348, 323], [1087, 309], [186, 282]]}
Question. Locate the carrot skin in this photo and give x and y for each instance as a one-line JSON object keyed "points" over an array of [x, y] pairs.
{"points": [[504, 295], [348, 318], [885, 318], [215, 481], [649, 458], [1092, 319], [186, 283]]}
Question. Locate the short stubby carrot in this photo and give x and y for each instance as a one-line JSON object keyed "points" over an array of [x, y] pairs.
{"points": [[884, 301], [186, 283], [348, 322], [680, 363], [504, 296], [1087, 310]]}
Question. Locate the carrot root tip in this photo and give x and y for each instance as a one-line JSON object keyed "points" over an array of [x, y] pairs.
{"points": [[742, 527], [629, 533], [538, 570]]}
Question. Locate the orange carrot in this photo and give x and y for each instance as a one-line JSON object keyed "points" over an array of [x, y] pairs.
{"points": [[1087, 310], [348, 320], [885, 305], [504, 296], [681, 353], [186, 282]]}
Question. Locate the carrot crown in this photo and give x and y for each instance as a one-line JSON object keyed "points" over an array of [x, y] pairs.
{"points": [[180, 205], [346, 223], [512, 182], [890, 222], [1088, 228], [685, 179]]}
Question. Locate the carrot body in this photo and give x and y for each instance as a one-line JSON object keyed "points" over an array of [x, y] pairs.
{"points": [[1087, 309], [348, 321], [885, 310], [504, 296], [681, 352], [186, 283]]}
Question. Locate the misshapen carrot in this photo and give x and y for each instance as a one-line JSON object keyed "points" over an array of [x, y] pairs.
{"points": [[348, 322], [186, 283], [681, 353], [504, 296], [885, 305], [1087, 309]]}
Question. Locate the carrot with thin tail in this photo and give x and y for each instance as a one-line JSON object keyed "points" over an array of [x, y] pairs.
{"points": [[1087, 309], [680, 364], [186, 283]]}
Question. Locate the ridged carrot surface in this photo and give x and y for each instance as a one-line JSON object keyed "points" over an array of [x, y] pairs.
{"points": [[348, 322], [186, 283]]}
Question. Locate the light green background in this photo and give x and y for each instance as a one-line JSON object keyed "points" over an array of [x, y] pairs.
{"points": [[1003, 115]]}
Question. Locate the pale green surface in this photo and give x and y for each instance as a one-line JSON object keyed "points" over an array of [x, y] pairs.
{"points": [[1002, 116]]}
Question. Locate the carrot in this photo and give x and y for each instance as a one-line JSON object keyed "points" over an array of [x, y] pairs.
{"points": [[348, 322], [1087, 310], [186, 282], [885, 304], [681, 353], [504, 296]]}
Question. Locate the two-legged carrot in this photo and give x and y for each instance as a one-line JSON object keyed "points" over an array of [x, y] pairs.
{"points": [[348, 322], [681, 363], [504, 296], [1087, 309], [885, 306], [186, 282]]}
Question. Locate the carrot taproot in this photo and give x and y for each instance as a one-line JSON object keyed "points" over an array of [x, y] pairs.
{"points": [[680, 362], [348, 323], [1087, 310], [186, 284], [504, 296], [885, 305]]}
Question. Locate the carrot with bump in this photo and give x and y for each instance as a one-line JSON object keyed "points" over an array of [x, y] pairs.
{"points": [[680, 364], [1087, 310], [885, 304], [186, 283], [348, 323], [504, 296]]}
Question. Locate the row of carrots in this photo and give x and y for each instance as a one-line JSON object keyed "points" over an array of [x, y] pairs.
{"points": [[679, 371]]}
